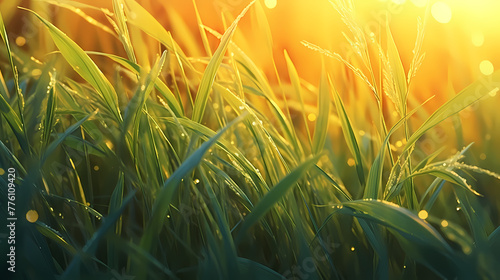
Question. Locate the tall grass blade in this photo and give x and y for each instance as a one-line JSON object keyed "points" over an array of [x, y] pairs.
{"points": [[210, 72], [275, 195], [349, 136], [84, 66], [321, 129]]}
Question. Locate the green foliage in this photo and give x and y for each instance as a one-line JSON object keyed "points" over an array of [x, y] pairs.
{"points": [[223, 187]]}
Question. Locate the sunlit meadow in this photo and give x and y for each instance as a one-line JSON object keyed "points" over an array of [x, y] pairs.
{"points": [[238, 139]]}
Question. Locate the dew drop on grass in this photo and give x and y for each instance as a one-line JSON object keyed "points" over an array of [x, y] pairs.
{"points": [[196, 181], [241, 107]]}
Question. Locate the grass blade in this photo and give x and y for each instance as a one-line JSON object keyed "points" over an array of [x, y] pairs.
{"points": [[321, 129], [209, 75], [84, 66], [349, 136], [275, 195]]}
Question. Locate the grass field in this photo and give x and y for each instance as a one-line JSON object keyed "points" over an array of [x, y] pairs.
{"points": [[191, 151]]}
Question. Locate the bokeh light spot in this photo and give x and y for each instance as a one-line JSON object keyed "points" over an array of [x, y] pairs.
{"points": [[270, 4], [477, 39], [444, 223], [2, 171], [486, 67], [441, 12], [423, 214], [351, 162], [311, 117], [32, 216], [36, 72], [20, 41]]}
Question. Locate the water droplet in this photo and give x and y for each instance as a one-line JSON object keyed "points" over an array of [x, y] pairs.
{"points": [[196, 181], [241, 107]]}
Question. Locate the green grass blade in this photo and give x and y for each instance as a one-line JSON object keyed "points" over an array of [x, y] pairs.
{"points": [[84, 66], [209, 75], [159, 84], [72, 272], [134, 107], [349, 136], [321, 129], [122, 29], [253, 270], [162, 203], [462, 100], [295, 80], [418, 238], [398, 71], [54, 236], [49, 113], [275, 195]]}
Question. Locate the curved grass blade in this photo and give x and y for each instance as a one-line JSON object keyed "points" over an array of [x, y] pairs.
{"points": [[84, 66], [55, 236], [275, 195], [14, 121], [209, 75], [159, 84], [462, 100], [134, 107], [162, 203], [418, 238], [72, 272], [349, 135], [321, 129]]}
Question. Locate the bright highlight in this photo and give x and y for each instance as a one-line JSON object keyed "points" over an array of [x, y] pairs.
{"points": [[270, 4], [486, 67], [423, 214], [441, 12], [32, 216]]}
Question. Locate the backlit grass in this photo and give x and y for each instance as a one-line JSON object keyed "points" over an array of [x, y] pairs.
{"points": [[153, 163]]}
